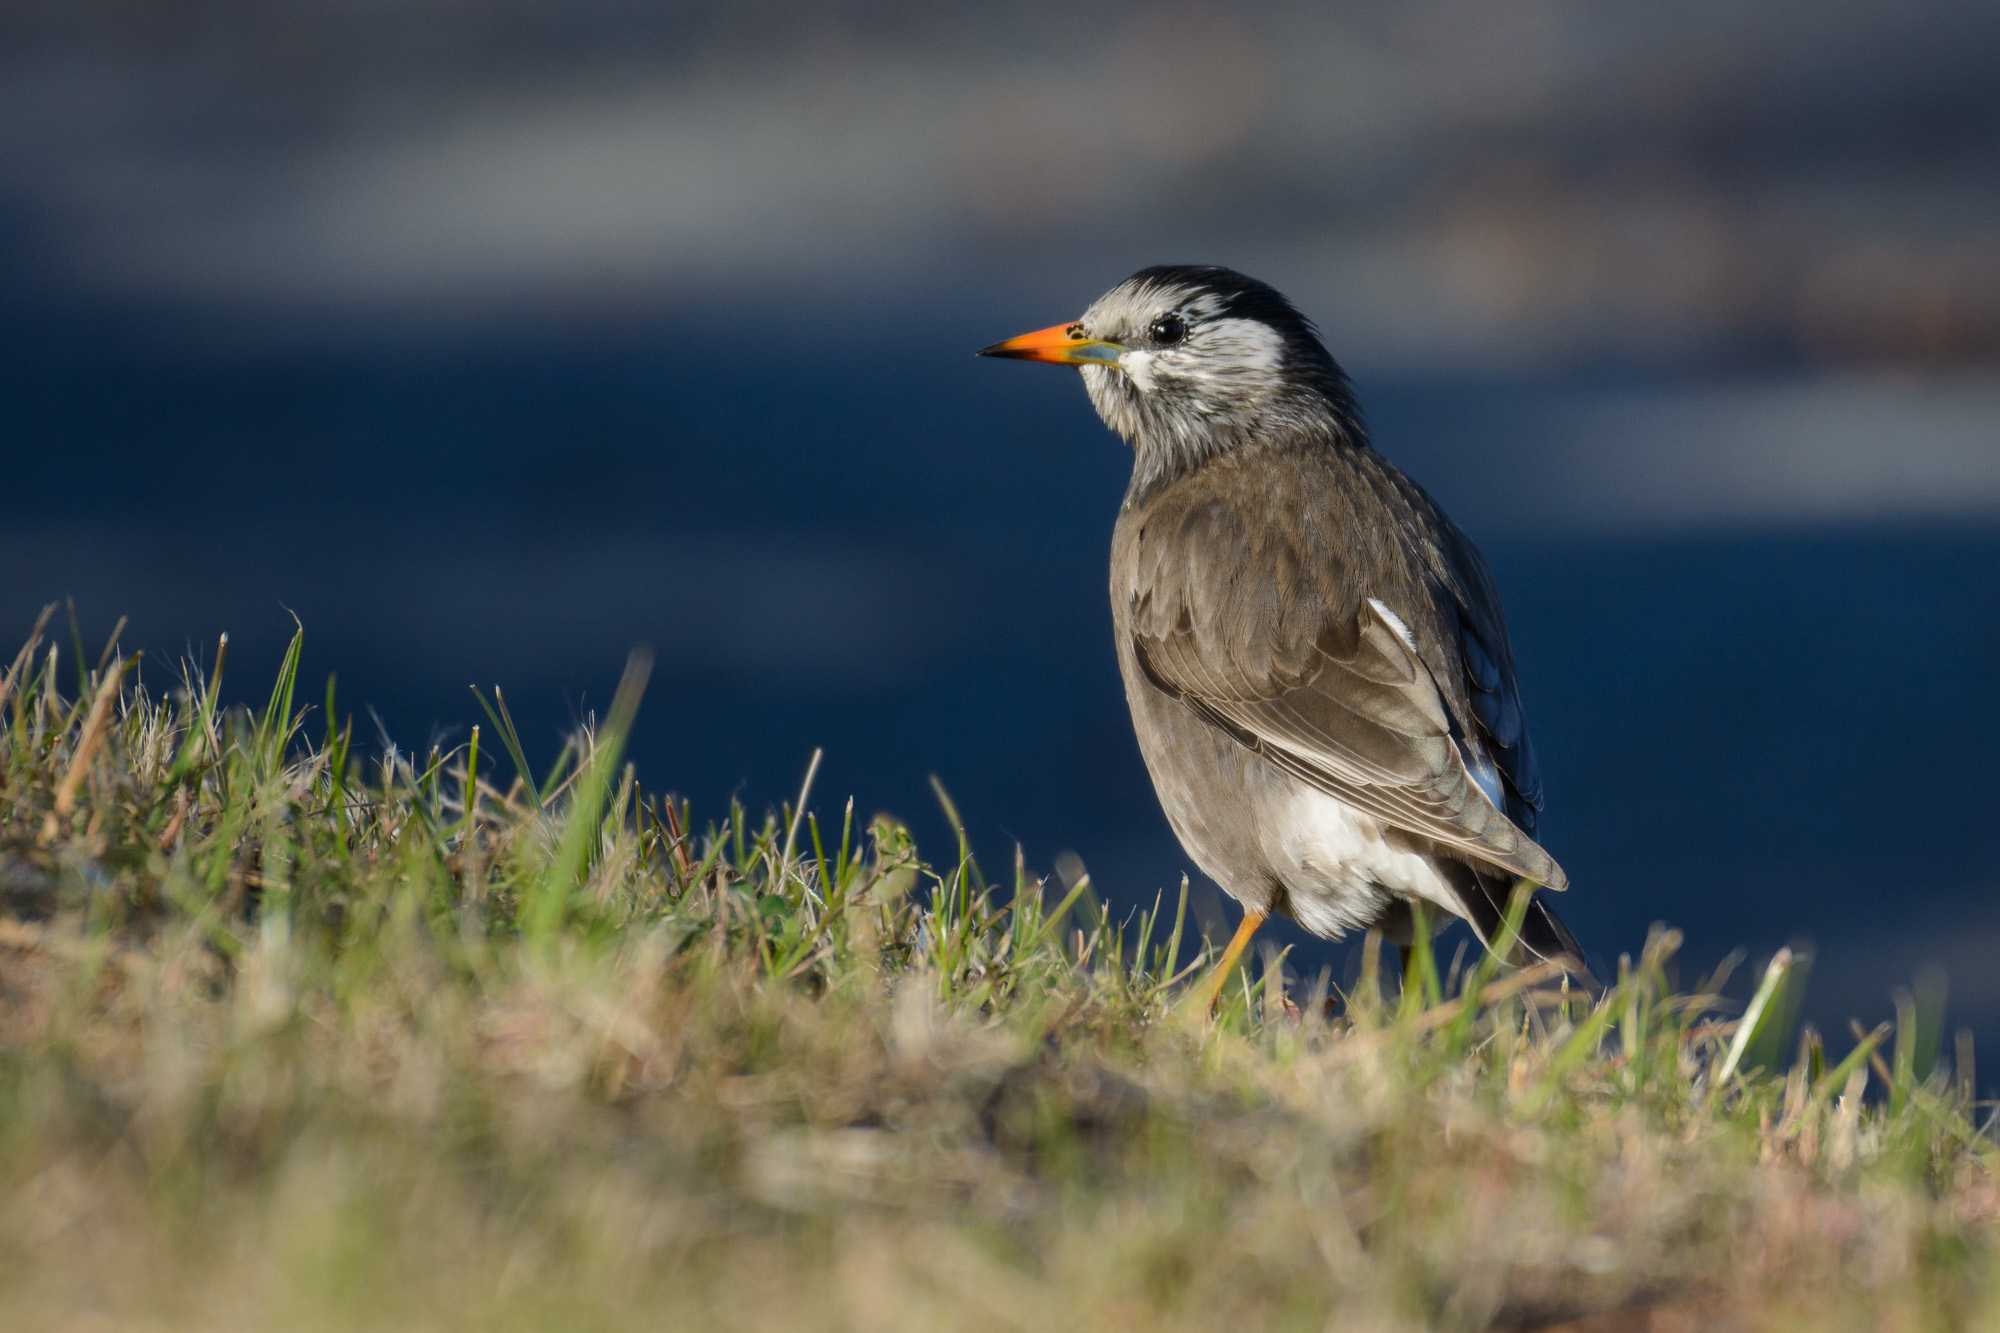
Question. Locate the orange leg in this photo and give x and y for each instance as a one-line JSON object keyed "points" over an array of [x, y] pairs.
{"points": [[1237, 943]]}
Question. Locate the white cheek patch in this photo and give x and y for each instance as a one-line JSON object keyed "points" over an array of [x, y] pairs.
{"points": [[1111, 393], [1242, 344], [1225, 367], [1226, 349], [1139, 366]]}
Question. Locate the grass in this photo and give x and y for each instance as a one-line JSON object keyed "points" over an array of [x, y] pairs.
{"points": [[290, 1038]]}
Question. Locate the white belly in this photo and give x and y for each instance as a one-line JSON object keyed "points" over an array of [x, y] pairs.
{"points": [[1336, 864]]}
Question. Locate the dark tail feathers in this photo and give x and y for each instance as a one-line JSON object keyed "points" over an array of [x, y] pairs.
{"points": [[1544, 938]]}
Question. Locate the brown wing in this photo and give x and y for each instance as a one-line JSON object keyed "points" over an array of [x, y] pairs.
{"points": [[1268, 641]]}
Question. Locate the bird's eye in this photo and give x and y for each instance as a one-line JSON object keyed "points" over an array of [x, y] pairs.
{"points": [[1168, 330]]}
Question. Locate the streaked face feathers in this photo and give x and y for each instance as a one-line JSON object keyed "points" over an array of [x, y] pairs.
{"points": [[1211, 360]]}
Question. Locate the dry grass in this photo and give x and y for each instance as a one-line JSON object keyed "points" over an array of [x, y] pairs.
{"points": [[291, 1041]]}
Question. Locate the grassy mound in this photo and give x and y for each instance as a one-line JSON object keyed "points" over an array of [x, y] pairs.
{"points": [[293, 1040]]}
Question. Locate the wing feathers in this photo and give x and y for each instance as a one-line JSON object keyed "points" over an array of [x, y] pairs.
{"points": [[1330, 688]]}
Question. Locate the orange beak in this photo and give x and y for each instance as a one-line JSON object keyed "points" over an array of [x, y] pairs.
{"points": [[1059, 344]]}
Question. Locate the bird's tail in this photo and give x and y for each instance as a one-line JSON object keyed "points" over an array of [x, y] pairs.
{"points": [[1543, 936]]}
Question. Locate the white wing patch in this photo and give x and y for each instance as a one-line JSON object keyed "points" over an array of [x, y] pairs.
{"points": [[1395, 623], [1483, 770]]}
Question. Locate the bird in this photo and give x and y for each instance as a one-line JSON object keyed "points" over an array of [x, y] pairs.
{"points": [[1314, 654]]}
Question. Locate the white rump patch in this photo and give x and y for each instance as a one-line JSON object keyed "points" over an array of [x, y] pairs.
{"points": [[1336, 863]]}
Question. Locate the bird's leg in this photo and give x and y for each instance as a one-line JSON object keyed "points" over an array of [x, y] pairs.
{"points": [[1237, 943]]}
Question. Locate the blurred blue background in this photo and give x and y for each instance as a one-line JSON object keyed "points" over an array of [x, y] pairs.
{"points": [[494, 340]]}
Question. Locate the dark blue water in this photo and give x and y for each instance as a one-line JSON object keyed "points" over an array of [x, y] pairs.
{"points": [[872, 544]]}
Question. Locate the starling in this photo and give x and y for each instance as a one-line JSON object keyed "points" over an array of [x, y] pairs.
{"points": [[1314, 655]]}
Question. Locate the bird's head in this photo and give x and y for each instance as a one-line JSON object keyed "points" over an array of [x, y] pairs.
{"points": [[1188, 362]]}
